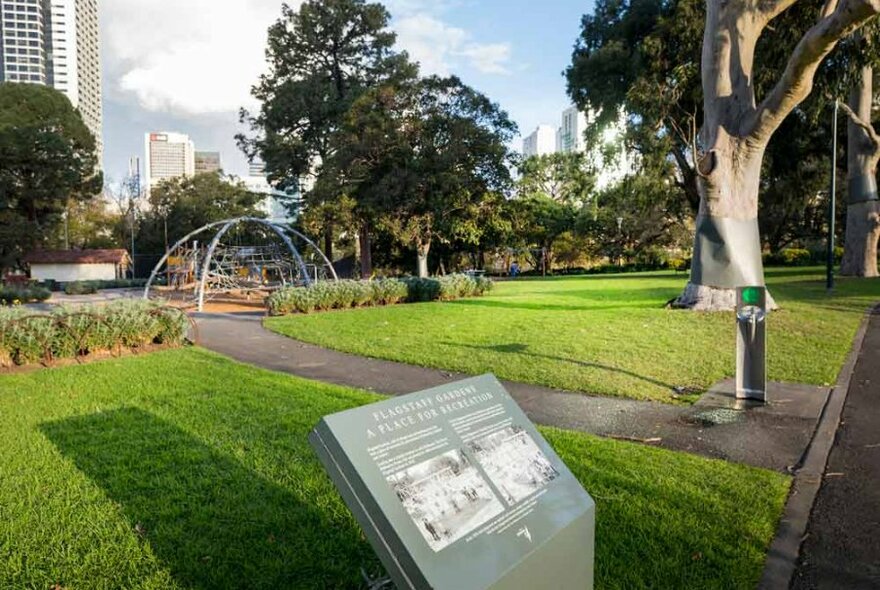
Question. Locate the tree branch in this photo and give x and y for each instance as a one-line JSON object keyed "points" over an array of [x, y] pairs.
{"points": [[773, 8], [797, 80], [859, 122]]}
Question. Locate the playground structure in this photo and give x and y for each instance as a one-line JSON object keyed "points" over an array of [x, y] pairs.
{"points": [[246, 256]]}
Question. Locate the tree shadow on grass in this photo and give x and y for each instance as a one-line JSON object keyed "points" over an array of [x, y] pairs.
{"points": [[505, 304], [211, 521], [523, 349]]}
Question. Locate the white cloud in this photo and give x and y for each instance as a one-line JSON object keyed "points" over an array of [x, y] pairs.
{"points": [[202, 56], [441, 48], [192, 57]]}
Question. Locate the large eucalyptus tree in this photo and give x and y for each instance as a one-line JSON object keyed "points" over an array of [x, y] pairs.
{"points": [[737, 128], [713, 106], [863, 207]]}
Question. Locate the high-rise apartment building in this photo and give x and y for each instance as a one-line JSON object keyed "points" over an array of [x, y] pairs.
{"points": [[570, 137], [257, 168], [23, 41], [274, 200], [206, 162], [541, 142], [55, 42], [168, 155]]}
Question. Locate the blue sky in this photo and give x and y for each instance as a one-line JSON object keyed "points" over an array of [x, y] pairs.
{"points": [[187, 66]]}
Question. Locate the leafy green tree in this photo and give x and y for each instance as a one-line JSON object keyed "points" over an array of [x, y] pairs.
{"points": [[675, 84], [47, 163], [564, 177], [179, 206], [427, 158], [640, 214], [322, 57], [91, 224], [538, 222]]}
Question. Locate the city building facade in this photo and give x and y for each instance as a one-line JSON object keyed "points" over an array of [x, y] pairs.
{"points": [[55, 43], [208, 162], [274, 202], [570, 137], [541, 142], [257, 168], [168, 156]]}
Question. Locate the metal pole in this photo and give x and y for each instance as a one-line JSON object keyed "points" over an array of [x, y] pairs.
{"points": [[832, 205]]}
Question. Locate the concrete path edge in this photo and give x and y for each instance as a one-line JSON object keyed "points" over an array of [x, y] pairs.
{"points": [[784, 551]]}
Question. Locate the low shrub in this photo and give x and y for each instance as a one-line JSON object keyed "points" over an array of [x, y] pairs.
{"points": [[292, 300], [91, 287], [22, 295], [80, 288], [456, 287], [679, 264], [419, 289], [348, 293], [388, 291], [26, 337], [484, 285], [789, 257]]}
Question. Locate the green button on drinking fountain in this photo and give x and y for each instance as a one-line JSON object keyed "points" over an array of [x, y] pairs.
{"points": [[751, 295]]}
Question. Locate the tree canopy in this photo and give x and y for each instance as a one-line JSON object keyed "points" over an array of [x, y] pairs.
{"points": [[183, 205], [423, 157], [48, 161]]}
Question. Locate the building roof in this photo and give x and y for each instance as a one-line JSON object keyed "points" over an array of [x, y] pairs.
{"points": [[117, 256]]}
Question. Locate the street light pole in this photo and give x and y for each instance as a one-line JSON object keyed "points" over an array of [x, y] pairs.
{"points": [[832, 203]]}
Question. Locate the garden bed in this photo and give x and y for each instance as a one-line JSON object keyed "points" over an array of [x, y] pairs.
{"points": [[347, 294], [73, 334]]}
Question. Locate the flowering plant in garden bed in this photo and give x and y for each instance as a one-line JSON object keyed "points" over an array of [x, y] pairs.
{"points": [[14, 295], [347, 294], [27, 337]]}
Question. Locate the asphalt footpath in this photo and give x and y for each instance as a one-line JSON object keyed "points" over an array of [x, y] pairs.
{"points": [[774, 436], [841, 549]]}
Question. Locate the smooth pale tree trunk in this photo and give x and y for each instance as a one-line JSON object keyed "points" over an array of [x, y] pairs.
{"points": [[863, 208], [366, 246], [422, 250], [735, 133]]}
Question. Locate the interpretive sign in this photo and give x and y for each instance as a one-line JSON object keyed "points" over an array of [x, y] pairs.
{"points": [[456, 489]]}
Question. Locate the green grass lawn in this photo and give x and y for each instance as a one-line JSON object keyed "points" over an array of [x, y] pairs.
{"points": [[183, 469], [607, 335]]}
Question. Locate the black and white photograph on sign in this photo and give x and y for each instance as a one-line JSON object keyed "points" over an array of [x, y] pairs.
{"points": [[446, 497], [513, 462]]}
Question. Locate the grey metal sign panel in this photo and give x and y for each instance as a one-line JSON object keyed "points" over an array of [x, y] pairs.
{"points": [[456, 489]]}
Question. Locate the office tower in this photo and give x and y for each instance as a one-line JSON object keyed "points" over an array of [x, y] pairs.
{"points": [[56, 43], [541, 142], [168, 155], [206, 162], [570, 137], [257, 168]]}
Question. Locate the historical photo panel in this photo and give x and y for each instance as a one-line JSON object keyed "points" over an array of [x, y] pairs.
{"points": [[513, 462], [446, 497]]}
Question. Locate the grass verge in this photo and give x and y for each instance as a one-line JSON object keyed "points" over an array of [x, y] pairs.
{"points": [[607, 335], [183, 469]]}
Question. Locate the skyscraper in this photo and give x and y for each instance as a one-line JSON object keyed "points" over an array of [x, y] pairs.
{"points": [[23, 41], [207, 162], [570, 137], [257, 167], [169, 155], [55, 42], [542, 141]]}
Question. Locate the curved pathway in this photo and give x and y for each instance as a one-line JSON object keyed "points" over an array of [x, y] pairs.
{"points": [[773, 437]]}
